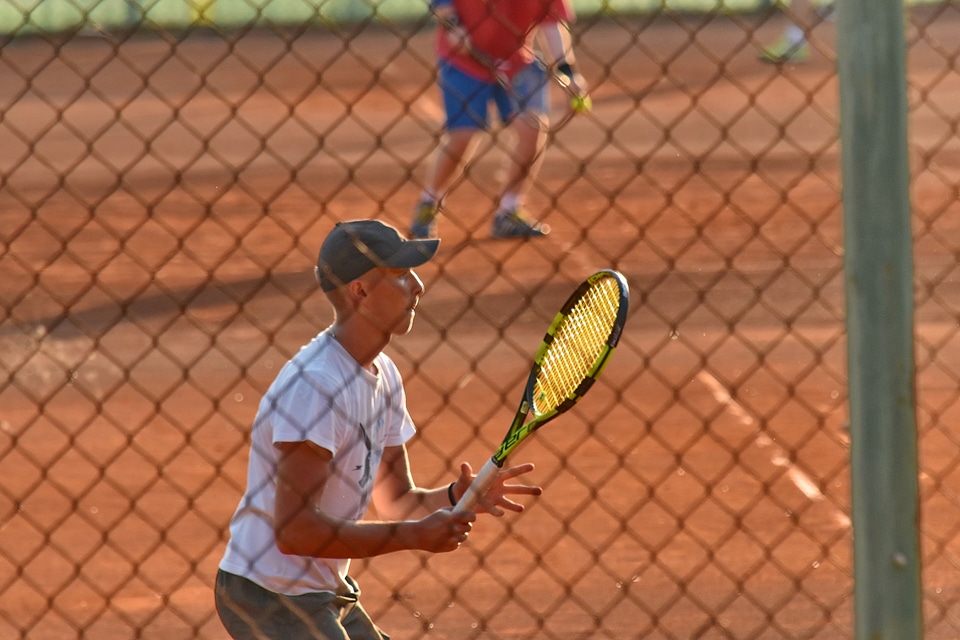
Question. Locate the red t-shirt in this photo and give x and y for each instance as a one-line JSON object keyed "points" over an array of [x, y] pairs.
{"points": [[503, 30]]}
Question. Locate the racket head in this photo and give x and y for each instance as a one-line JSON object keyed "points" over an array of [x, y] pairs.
{"points": [[578, 344]]}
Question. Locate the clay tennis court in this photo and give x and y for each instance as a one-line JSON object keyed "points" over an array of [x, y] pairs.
{"points": [[700, 491]]}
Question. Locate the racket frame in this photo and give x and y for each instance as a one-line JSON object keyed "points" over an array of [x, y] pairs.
{"points": [[520, 428]]}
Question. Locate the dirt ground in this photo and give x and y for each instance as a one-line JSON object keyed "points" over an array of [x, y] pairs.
{"points": [[163, 201]]}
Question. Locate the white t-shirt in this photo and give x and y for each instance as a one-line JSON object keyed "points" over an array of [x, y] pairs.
{"points": [[324, 396]]}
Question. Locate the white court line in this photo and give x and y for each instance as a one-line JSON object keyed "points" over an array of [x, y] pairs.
{"points": [[802, 481]]}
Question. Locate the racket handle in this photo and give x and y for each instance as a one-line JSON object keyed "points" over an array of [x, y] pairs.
{"points": [[479, 487]]}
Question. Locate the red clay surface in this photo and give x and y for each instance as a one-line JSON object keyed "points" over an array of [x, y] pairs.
{"points": [[701, 491]]}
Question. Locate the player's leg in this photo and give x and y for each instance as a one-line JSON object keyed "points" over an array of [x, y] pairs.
{"points": [[457, 145], [526, 110], [465, 101]]}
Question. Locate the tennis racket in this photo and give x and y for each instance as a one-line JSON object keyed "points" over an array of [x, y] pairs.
{"points": [[577, 346]]}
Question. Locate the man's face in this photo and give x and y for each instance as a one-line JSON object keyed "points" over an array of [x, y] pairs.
{"points": [[392, 298]]}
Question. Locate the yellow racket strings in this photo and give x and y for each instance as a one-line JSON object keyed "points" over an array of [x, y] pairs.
{"points": [[578, 342]]}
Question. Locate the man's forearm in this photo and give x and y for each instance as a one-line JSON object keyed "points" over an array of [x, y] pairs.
{"points": [[321, 536], [558, 43]]}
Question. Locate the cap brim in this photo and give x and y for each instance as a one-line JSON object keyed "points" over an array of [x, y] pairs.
{"points": [[413, 253]]}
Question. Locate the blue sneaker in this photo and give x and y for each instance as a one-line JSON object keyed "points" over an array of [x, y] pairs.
{"points": [[424, 223], [513, 224]]}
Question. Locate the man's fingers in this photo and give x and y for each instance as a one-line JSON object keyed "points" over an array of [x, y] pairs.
{"points": [[518, 470]]}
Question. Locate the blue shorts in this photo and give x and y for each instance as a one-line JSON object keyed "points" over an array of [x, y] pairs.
{"points": [[466, 99]]}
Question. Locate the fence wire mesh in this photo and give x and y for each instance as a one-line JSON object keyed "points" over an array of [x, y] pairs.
{"points": [[163, 193]]}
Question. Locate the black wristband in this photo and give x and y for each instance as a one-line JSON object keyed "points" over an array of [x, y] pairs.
{"points": [[453, 501], [565, 68]]}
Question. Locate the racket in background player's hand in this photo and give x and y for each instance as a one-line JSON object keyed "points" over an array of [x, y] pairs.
{"points": [[574, 351]]}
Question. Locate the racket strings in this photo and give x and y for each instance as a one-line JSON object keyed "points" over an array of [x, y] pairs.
{"points": [[579, 342]]}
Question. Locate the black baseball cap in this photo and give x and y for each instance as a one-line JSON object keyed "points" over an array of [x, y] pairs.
{"points": [[355, 247]]}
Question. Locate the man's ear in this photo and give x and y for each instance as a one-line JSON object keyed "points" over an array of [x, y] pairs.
{"points": [[356, 289]]}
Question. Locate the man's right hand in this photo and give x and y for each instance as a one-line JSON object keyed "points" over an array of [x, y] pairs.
{"points": [[442, 531]]}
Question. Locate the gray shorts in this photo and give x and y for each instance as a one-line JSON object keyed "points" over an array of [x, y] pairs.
{"points": [[250, 612]]}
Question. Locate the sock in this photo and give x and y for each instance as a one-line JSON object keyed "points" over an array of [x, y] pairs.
{"points": [[509, 202], [795, 35]]}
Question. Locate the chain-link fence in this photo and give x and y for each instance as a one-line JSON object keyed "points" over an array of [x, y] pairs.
{"points": [[163, 193]]}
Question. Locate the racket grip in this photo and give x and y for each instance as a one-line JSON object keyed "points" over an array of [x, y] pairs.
{"points": [[480, 485]]}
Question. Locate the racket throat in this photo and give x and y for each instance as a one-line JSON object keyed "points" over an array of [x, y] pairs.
{"points": [[515, 434]]}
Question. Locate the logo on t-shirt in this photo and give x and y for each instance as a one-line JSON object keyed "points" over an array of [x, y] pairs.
{"points": [[366, 477]]}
